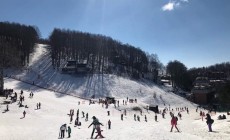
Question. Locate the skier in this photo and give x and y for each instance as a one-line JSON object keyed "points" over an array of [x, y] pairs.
{"points": [[94, 123], [63, 129], [109, 124], [98, 128], [69, 131], [174, 123], [209, 122]]}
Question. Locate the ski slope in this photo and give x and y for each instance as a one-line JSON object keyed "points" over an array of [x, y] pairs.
{"points": [[45, 123]]}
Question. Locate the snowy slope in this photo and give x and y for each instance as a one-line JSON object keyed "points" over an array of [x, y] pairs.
{"points": [[45, 123], [41, 72]]}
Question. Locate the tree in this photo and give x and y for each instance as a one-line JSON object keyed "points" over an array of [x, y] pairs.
{"points": [[178, 72], [16, 43], [224, 94]]}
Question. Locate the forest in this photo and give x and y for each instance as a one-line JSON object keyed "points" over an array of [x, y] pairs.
{"points": [[102, 53]]}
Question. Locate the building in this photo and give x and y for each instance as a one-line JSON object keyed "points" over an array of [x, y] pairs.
{"points": [[203, 92]]}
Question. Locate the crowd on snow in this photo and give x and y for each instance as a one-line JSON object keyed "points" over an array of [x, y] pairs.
{"points": [[9, 93], [12, 97]]}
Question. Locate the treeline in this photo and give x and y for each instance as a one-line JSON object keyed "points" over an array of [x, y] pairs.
{"points": [[16, 44], [102, 53], [183, 78]]}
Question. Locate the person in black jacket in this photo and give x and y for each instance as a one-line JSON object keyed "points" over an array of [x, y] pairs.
{"points": [[209, 122]]}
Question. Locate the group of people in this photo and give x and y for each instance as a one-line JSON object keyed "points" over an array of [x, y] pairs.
{"points": [[14, 97]]}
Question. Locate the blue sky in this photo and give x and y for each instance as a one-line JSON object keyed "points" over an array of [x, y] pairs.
{"points": [[195, 32]]}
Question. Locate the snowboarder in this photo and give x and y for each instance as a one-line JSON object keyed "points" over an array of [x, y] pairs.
{"points": [[174, 123], [69, 131], [109, 124], [209, 122], [63, 129]]}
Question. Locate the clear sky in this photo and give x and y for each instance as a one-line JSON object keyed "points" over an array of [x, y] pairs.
{"points": [[195, 32]]}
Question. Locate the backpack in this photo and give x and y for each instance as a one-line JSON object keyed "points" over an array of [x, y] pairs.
{"points": [[212, 121]]}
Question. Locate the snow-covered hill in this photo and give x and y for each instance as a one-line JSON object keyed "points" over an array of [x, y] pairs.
{"points": [[44, 123], [40, 72]]}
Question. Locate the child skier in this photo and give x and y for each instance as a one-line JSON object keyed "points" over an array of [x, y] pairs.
{"points": [[174, 123], [69, 131]]}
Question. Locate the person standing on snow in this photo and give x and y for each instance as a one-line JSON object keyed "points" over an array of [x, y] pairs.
{"points": [[209, 122], [63, 129], [24, 114], [174, 123], [109, 124], [69, 131]]}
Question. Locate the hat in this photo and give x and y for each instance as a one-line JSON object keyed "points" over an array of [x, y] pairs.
{"points": [[94, 117]]}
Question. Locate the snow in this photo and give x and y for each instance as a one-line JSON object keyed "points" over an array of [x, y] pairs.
{"points": [[44, 123]]}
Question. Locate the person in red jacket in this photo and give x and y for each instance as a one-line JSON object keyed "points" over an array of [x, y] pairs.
{"points": [[174, 123]]}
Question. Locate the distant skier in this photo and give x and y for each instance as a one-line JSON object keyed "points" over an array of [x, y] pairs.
{"points": [[77, 121], [155, 117], [24, 114], [63, 129], [83, 114], [122, 117], [134, 117], [145, 118], [138, 118], [86, 117], [39, 105], [7, 107]]}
